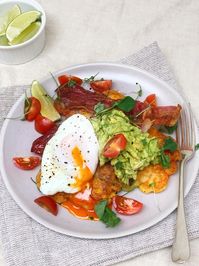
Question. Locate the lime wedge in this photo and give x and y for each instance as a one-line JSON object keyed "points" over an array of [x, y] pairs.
{"points": [[20, 23], [47, 108], [27, 34], [8, 17], [3, 40]]}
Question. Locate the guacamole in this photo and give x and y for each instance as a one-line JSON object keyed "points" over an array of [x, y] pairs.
{"points": [[141, 150]]}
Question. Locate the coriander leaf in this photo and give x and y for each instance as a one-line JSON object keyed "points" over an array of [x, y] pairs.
{"points": [[100, 208], [144, 142], [91, 78], [168, 130], [170, 145], [105, 214], [152, 184], [197, 147], [126, 104], [71, 83], [110, 218], [119, 165], [99, 107], [165, 160]]}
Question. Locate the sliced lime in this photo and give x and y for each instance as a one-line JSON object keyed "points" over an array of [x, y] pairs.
{"points": [[20, 23], [47, 108], [27, 34], [3, 40], [8, 17]]}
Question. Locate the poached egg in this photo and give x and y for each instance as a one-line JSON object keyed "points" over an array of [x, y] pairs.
{"points": [[70, 157]]}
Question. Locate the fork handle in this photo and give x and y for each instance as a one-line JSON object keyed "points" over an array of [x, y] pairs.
{"points": [[181, 248]]}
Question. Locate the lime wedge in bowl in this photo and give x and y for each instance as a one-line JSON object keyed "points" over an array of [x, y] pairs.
{"points": [[8, 17], [20, 23], [3, 40], [27, 34]]}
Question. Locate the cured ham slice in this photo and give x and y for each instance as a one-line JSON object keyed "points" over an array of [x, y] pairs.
{"points": [[163, 115], [78, 98], [39, 144]]}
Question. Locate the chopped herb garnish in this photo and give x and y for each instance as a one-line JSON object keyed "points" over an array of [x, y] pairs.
{"points": [[92, 78], [169, 145], [165, 160], [152, 184], [197, 147], [119, 165], [144, 142], [71, 83], [126, 104], [99, 107], [168, 130], [105, 214]]}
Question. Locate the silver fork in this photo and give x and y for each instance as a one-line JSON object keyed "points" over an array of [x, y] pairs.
{"points": [[185, 136]]}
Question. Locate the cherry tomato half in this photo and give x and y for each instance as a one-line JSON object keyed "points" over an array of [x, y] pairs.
{"points": [[151, 99], [66, 78], [114, 146], [43, 124], [27, 163], [101, 85], [48, 204], [32, 108], [126, 206]]}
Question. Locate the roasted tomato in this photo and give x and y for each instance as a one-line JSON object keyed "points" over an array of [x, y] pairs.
{"points": [[43, 124], [126, 206], [151, 100], [101, 85], [66, 78], [48, 204], [32, 108], [27, 163], [114, 146]]}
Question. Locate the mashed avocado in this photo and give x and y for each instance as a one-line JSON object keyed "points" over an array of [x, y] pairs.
{"points": [[141, 150]]}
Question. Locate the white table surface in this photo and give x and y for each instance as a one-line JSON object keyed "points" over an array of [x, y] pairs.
{"points": [[80, 31]]}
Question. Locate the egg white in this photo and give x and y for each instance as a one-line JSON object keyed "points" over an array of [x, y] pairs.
{"points": [[58, 169]]}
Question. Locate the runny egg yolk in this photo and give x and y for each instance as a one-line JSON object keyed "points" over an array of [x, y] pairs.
{"points": [[84, 174]]}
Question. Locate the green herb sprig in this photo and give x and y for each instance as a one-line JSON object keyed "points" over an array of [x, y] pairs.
{"points": [[169, 145], [90, 79], [126, 105], [106, 215], [197, 147], [168, 130], [71, 83]]}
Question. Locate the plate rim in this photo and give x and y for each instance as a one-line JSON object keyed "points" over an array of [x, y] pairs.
{"points": [[56, 228]]}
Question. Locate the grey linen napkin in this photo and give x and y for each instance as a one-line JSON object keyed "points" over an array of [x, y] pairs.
{"points": [[25, 242]]}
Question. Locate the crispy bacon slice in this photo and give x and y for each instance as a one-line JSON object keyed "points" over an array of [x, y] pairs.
{"points": [[78, 98], [164, 115], [39, 144]]}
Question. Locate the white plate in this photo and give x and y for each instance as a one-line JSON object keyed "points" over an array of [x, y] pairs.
{"points": [[17, 136]]}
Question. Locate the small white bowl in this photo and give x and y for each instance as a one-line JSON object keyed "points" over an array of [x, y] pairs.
{"points": [[24, 52]]}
